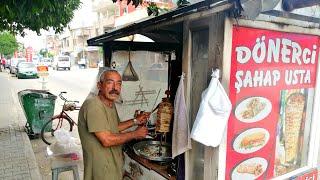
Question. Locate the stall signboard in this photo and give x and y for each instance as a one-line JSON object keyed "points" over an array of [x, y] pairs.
{"points": [[272, 83], [310, 175], [43, 71], [29, 51]]}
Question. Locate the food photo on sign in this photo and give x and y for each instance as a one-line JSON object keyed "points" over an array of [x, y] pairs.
{"points": [[251, 140], [251, 168], [290, 151], [253, 109]]}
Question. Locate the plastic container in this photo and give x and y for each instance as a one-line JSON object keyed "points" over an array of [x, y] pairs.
{"points": [[38, 106]]}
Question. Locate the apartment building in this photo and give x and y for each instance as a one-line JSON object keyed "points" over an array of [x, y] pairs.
{"points": [[105, 15]]}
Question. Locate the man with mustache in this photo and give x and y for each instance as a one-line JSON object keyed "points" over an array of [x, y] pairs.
{"points": [[101, 132]]}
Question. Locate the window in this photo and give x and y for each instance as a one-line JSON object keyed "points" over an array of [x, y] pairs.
{"points": [[125, 10], [117, 11]]}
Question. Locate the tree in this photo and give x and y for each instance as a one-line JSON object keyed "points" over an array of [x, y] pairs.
{"points": [[8, 43], [43, 52], [15, 16]]}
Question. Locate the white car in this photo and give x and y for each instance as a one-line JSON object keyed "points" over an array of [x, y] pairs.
{"points": [[62, 62]]}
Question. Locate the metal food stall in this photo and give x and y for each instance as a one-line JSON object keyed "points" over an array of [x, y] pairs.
{"points": [[268, 61], [146, 69]]}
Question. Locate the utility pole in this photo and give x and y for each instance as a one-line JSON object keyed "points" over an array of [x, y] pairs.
{"points": [[82, 42]]}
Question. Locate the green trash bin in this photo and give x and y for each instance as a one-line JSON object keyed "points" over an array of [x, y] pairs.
{"points": [[38, 107]]}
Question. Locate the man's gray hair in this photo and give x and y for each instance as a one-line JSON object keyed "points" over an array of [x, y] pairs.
{"points": [[104, 71]]}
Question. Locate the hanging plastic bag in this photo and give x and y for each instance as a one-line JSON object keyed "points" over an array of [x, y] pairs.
{"points": [[213, 114]]}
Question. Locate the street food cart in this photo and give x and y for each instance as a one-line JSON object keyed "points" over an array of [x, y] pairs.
{"points": [[269, 68]]}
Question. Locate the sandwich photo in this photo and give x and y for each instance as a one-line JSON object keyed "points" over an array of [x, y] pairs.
{"points": [[253, 140]]}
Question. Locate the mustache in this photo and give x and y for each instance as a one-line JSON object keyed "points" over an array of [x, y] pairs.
{"points": [[113, 91]]}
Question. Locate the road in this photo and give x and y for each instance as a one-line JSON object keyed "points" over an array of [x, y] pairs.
{"points": [[77, 83]]}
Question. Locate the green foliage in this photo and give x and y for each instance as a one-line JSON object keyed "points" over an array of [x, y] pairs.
{"points": [[100, 51], [153, 9], [135, 3], [43, 52], [50, 55], [8, 43], [182, 3], [15, 16]]}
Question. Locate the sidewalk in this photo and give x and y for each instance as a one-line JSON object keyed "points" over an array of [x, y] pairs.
{"points": [[17, 159]]}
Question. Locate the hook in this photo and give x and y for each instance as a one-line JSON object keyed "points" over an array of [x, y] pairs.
{"points": [[215, 72], [183, 75]]}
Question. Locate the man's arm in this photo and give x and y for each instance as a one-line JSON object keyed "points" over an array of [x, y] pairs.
{"points": [[140, 119], [108, 139], [125, 125]]}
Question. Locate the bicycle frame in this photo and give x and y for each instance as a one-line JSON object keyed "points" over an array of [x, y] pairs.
{"points": [[56, 121], [63, 114]]}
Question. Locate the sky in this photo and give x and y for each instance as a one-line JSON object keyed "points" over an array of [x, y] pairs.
{"points": [[82, 17], [33, 40]]}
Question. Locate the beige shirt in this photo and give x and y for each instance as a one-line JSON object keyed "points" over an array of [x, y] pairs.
{"points": [[99, 162]]}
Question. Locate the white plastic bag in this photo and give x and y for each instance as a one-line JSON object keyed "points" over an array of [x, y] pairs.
{"points": [[65, 146], [213, 114]]}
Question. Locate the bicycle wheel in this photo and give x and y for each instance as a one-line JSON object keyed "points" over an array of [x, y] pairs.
{"points": [[48, 129]]}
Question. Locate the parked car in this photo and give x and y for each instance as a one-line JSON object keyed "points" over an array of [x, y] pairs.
{"points": [[82, 63], [100, 64], [13, 64], [63, 62], [26, 70]]}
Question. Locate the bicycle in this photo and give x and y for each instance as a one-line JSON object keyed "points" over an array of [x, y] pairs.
{"points": [[56, 122]]}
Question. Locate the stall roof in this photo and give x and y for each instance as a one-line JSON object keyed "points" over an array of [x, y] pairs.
{"points": [[163, 28]]}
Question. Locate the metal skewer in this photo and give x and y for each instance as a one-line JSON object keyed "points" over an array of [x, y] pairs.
{"points": [[160, 147], [155, 102]]}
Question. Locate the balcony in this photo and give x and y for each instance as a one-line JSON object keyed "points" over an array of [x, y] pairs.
{"points": [[103, 6], [81, 32], [108, 22]]}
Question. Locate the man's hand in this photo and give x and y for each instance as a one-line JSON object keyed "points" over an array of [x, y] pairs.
{"points": [[141, 132], [142, 118]]}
